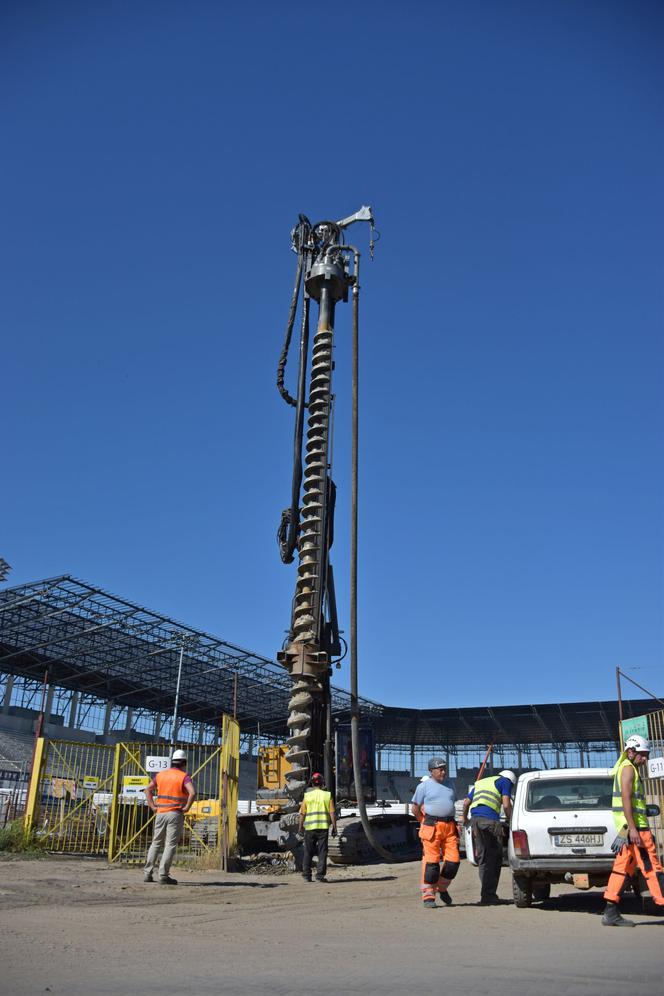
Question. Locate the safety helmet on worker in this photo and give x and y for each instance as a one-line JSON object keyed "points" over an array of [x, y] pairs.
{"points": [[178, 755], [508, 774], [317, 778], [437, 762], [638, 743]]}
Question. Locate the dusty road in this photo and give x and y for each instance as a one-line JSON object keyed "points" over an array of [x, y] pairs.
{"points": [[79, 927]]}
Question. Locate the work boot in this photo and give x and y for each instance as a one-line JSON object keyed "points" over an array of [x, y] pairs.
{"points": [[148, 877], [429, 904], [612, 917], [306, 878], [321, 879], [445, 898], [167, 880]]}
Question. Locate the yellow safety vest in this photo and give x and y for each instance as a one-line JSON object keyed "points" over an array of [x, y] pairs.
{"points": [[317, 815], [485, 793], [638, 798]]}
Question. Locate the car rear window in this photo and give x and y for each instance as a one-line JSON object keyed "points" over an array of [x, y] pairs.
{"points": [[559, 794]]}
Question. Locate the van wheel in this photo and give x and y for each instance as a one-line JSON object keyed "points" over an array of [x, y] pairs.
{"points": [[542, 892], [522, 888]]}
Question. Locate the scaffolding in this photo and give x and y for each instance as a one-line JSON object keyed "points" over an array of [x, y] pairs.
{"points": [[112, 664], [98, 663]]}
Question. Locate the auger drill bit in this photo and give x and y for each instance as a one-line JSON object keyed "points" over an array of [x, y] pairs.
{"points": [[305, 656]]}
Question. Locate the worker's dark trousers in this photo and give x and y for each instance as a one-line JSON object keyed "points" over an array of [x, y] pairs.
{"points": [[315, 843], [488, 845]]}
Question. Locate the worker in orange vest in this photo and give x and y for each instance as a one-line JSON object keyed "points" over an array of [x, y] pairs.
{"points": [[174, 792]]}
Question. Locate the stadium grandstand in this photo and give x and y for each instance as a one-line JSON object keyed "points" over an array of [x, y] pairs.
{"points": [[92, 666]]}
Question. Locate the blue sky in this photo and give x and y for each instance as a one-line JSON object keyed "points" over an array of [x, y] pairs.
{"points": [[155, 157]]}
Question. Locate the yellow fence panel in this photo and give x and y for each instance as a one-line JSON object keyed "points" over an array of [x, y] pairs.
{"points": [[90, 798], [654, 785], [69, 795], [131, 820]]}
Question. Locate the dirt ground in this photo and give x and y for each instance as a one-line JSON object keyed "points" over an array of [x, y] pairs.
{"points": [[76, 926]]}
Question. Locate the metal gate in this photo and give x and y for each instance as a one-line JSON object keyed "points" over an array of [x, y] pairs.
{"points": [[654, 785], [132, 822], [68, 795], [89, 798]]}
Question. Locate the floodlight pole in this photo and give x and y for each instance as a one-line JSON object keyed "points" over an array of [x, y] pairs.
{"points": [[177, 698]]}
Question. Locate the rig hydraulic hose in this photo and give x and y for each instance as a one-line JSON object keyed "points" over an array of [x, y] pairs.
{"points": [[281, 366], [289, 527]]}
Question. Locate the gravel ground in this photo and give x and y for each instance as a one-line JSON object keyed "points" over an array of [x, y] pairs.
{"points": [[76, 926]]}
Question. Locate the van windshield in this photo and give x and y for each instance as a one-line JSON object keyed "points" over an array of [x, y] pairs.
{"points": [[559, 794]]}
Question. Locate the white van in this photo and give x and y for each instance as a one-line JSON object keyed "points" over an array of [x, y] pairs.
{"points": [[561, 831]]}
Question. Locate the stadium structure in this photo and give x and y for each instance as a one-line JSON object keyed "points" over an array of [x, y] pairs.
{"points": [[88, 665]]}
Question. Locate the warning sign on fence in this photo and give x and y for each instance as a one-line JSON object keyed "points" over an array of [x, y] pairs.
{"points": [[638, 725], [134, 785], [63, 787]]}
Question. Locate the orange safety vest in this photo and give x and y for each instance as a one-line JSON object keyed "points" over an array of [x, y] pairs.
{"points": [[171, 794]]}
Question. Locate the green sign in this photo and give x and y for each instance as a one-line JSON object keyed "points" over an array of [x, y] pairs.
{"points": [[638, 726]]}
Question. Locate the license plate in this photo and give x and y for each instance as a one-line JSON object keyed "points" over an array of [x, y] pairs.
{"points": [[578, 839]]}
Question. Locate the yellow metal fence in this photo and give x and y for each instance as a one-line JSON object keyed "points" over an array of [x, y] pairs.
{"points": [[89, 798], [69, 779], [654, 785], [132, 822]]}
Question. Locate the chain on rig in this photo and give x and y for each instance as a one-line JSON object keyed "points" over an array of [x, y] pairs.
{"points": [[327, 268]]}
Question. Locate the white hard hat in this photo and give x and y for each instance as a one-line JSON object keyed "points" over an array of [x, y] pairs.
{"points": [[178, 755], [639, 744], [508, 774]]}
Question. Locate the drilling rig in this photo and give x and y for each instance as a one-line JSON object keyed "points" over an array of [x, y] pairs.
{"points": [[327, 269], [327, 272]]}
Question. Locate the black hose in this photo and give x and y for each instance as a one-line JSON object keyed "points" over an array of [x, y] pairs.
{"points": [[281, 366], [290, 519]]}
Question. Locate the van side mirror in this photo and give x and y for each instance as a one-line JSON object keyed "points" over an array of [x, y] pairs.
{"points": [[652, 809]]}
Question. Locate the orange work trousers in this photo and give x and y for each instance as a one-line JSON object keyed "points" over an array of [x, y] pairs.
{"points": [[439, 843], [631, 857]]}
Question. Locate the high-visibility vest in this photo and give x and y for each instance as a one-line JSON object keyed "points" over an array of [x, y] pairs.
{"points": [[317, 814], [638, 798], [171, 793], [485, 793]]}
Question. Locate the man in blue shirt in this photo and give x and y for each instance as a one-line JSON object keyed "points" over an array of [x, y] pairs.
{"points": [[484, 801], [433, 806]]}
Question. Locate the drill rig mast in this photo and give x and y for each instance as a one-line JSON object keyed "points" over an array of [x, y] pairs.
{"points": [[330, 268]]}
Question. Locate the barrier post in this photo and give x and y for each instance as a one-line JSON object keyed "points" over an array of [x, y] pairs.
{"points": [[230, 765], [222, 828], [115, 792], [35, 778]]}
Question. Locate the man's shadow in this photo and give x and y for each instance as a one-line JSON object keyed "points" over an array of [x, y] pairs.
{"points": [[364, 878], [233, 885]]}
